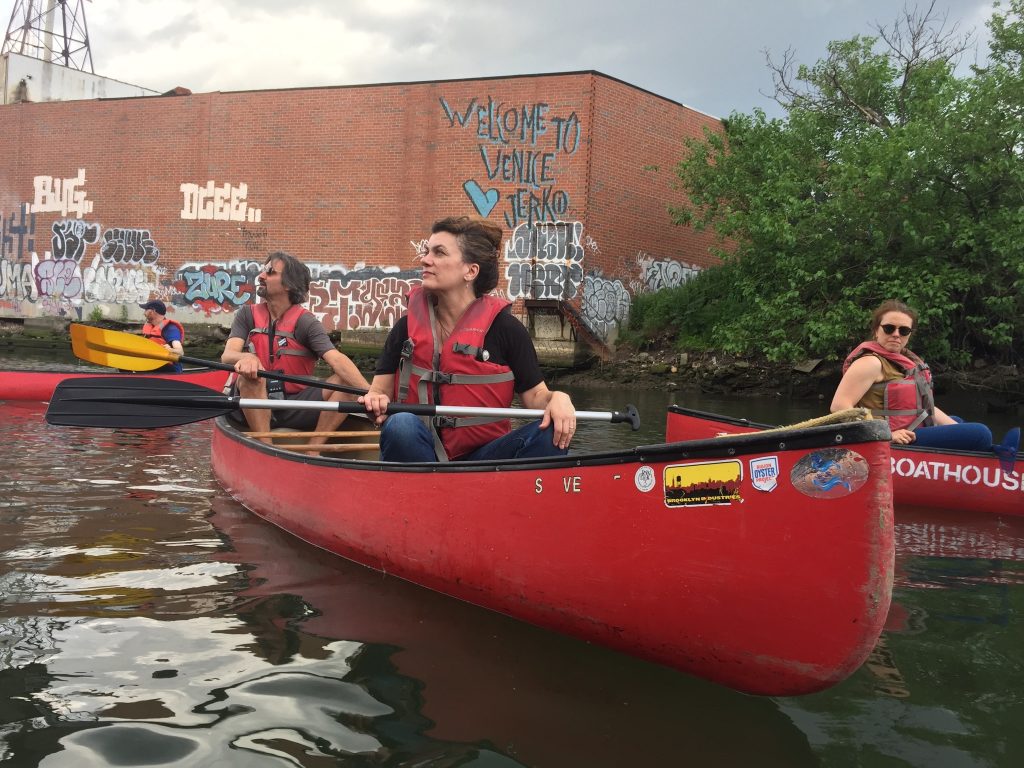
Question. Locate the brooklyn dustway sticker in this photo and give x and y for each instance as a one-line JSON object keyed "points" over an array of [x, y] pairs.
{"points": [[703, 483]]}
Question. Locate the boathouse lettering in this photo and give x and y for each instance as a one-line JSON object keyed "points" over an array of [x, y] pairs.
{"points": [[571, 484], [538, 485], [940, 471]]}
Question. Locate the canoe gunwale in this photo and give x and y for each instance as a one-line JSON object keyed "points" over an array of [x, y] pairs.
{"points": [[719, 447], [38, 385], [926, 451]]}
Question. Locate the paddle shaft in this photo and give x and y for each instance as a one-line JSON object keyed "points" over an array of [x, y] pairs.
{"points": [[277, 376], [142, 403], [419, 409]]}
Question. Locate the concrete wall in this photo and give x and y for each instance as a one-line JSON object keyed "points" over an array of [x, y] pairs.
{"points": [[28, 79], [108, 203]]}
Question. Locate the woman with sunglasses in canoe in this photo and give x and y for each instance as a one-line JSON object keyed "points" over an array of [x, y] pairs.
{"points": [[885, 376]]}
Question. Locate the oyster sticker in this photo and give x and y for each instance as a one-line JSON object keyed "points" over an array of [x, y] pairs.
{"points": [[830, 473], [703, 483], [764, 473]]}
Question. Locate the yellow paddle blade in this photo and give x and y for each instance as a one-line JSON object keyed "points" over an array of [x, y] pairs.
{"points": [[117, 349]]}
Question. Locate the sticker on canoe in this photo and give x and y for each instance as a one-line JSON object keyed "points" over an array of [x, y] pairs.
{"points": [[830, 473], [703, 483], [644, 479], [764, 473]]}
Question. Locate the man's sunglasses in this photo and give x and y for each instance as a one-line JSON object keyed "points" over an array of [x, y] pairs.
{"points": [[272, 271], [904, 330]]}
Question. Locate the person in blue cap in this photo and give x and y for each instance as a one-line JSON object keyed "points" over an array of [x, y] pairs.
{"points": [[164, 331]]}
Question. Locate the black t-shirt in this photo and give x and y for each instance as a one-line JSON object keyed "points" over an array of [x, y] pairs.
{"points": [[507, 341]]}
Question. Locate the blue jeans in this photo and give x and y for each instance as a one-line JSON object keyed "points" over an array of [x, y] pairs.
{"points": [[405, 438], [962, 436]]}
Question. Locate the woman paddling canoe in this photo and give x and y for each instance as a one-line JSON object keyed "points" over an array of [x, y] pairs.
{"points": [[457, 345]]}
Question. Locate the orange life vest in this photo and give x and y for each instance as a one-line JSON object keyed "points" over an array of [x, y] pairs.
{"points": [[155, 333]]}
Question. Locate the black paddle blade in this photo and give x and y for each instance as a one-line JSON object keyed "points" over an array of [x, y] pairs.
{"points": [[133, 402]]}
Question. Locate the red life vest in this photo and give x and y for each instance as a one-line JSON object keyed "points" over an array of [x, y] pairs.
{"points": [[455, 373], [155, 332], [276, 347], [907, 403]]}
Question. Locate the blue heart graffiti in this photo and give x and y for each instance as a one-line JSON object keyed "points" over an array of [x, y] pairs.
{"points": [[484, 202]]}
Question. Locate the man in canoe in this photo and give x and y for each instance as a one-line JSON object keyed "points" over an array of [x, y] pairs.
{"points": [[278, 334], [164, 331], [884, 375], [458, 345]]}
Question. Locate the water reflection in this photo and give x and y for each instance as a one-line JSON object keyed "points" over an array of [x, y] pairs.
{"points": [[158, 623], [146, 619]]}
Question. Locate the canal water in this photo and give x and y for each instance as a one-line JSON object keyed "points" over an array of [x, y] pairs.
{"points": [[146, 619]]}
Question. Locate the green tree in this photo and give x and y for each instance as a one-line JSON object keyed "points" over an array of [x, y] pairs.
{"points": [[889, 177]]}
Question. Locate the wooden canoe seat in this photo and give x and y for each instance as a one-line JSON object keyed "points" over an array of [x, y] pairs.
{"points": [[350, 443]]}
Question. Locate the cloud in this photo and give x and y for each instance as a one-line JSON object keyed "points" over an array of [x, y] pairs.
{"points": [[709, 56]]}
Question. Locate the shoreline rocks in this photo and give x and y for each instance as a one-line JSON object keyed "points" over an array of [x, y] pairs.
{"points": [[711, 372]]}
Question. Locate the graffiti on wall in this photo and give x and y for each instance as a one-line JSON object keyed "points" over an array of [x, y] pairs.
{"points": [[19, 234], [59, 278], [129, 246], [121, 269], [254, 240], [545, 261], [364, 298], [62, 280], [605, 305], [63, 196], [109, 283], [657, 275], [519, 146], [213, 288], [218, 202], [70, 236]]}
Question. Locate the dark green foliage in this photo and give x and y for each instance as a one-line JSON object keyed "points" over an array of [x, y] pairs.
{"points": [[690, 313], [890, 177]]}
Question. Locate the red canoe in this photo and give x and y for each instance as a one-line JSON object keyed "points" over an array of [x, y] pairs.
{"points": [[39, 385], [967, 481], [760, 562]]}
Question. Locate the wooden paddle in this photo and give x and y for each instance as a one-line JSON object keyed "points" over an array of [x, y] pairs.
{"points": [[135, 353], [143, 403]]}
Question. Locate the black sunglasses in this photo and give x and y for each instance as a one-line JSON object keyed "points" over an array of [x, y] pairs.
{"points": [[269, 271], [904, 330]]}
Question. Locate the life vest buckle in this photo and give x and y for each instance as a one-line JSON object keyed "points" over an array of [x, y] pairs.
{"points": [[439, 377]]}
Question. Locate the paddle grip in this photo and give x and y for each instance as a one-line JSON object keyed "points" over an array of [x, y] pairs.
{"points": [[631, 415]]}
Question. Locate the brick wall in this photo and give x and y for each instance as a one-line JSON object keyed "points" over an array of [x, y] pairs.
{"points": [[108, 203]]}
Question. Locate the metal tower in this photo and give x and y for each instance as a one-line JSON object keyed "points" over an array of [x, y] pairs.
{"points": [[31, 33]]}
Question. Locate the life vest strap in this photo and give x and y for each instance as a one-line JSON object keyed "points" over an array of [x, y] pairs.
{"points": [[405, 369], [478, 353], [441, 377]]}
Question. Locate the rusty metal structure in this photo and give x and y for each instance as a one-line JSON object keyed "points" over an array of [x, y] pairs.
{"points": [[51, 30]]}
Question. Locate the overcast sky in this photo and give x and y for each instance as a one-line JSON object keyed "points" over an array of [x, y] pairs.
{"points": [[707, 55]]}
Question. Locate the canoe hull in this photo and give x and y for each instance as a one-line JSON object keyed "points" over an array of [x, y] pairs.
{"points": [[771, 592], [966, 481], [39, 385]]}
